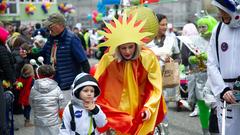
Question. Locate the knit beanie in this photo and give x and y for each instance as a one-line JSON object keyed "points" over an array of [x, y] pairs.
{"points": [[82, 80], [4, 35]]}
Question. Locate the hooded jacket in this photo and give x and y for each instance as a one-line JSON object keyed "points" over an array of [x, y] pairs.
{"points": [[46, 99]]}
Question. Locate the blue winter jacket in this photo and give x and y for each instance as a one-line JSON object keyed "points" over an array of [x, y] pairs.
{"points": [[70, 54]]}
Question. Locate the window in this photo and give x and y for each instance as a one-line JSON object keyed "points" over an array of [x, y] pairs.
{"points": [[13, 8]]}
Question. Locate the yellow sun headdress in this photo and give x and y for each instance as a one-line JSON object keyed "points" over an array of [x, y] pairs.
{"points": [[124, 30]]}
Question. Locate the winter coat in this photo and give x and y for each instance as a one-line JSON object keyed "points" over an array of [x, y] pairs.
{"points": [[7, 71], [82, 119], [25, 90], [70, 57], [46, 99]]}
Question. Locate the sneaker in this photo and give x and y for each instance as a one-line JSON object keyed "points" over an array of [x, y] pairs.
{"points": [[185, 104], [194, 113]]}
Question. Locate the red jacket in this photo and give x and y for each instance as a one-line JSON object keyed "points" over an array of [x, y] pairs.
{"points": [[25, 90]]}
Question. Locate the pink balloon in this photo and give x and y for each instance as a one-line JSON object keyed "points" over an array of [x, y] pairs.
{"points": [[94, 13]]}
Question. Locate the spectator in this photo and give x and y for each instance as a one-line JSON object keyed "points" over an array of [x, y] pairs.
{"points": [[6, 73], [39, 31], [63, 50], [80, 36], [165, 46], [27, 80]]}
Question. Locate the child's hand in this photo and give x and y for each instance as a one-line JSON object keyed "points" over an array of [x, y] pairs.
{"points": [[89, 105]]}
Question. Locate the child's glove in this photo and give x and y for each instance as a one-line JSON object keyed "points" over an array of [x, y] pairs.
{"points": [[145, 114], [6, 84], [19, 85]]}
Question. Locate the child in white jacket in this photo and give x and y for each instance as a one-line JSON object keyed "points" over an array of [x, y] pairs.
{"points": [[82, 115]]}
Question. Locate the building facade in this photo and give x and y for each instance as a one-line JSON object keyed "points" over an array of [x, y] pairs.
{"points": [[16, 11]]}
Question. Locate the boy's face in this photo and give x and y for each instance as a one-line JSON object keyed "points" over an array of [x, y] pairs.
{"points": [[87, 94]]}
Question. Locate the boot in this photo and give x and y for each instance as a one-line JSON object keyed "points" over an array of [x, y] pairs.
{"points": [[28, 123]]}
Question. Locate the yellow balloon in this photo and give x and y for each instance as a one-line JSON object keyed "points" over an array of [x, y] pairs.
{"points": [[151, 24]]}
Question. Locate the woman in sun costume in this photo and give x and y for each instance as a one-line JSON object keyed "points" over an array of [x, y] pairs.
{"points": [[131, 81]]}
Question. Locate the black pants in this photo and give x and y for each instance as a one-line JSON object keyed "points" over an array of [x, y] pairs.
{"points": [[3, 120]]}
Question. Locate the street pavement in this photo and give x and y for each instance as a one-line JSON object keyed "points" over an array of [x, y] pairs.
{"points": [[179, 122]]}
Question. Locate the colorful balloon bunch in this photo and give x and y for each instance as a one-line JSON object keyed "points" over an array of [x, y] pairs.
{"points": [[96, 16], [66, 8], [3, 7], [46, 6], [30, 9]]}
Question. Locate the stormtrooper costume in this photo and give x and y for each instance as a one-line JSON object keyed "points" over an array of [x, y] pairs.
{"points": [[222, 73]]}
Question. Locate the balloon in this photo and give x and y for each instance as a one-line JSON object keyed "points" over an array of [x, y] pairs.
{"points": [[94, 13], [89, 16], [111, 2], [95, 20], [147, 14], [99, 17], [45, 7], [30, 9]]}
